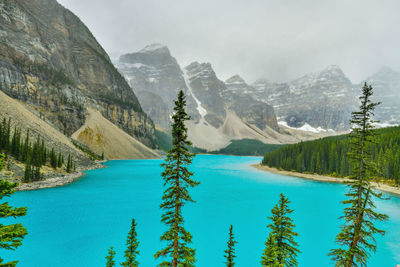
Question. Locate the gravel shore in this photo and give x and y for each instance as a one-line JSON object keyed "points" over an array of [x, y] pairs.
{"points": [[57, 181]]}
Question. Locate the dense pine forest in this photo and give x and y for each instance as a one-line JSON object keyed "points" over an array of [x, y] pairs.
{"points": [[34, 154], [328, 155]]}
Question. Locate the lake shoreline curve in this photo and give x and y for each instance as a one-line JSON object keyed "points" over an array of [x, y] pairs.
{"points": [[59, 180], [324, 178]]}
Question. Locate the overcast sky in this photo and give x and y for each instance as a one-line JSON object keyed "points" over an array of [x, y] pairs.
{"points": [[279, 40]]}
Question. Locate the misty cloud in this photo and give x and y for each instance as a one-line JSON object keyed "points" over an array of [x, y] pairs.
{"points": [[278, 40]]}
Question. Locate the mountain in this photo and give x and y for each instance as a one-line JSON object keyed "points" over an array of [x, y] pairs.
{"points": [[253, 112], [386, 84], [156, 78], [321, 100], [219, 111], [51, 62]]}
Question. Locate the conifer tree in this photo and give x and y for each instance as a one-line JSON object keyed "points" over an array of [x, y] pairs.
{"points": [[25, 148], [59, 160], [283, 234], [28, 171], [69, 164], [53, 158], [230, 252], [356, 237], [270, 256], [177, 179], [110, 257], [132, 247], [10, 235], [1, 161]]}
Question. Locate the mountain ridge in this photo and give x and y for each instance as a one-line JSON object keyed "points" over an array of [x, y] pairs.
{"points": [[51, 62]]}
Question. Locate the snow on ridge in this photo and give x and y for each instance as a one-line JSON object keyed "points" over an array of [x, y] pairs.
{"points": [[152, 47], [202, 111], [132, 65], [306, 127]]}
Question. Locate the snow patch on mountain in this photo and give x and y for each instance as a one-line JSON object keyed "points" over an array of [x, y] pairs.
{"points": [[152, 47], [306, 127], [202, 111]]}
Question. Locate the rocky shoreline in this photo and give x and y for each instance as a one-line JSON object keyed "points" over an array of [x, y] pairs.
{"points": [[328, 179], [58, 181]]}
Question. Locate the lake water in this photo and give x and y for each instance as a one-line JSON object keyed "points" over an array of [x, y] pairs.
{"points": [[74, 225]]}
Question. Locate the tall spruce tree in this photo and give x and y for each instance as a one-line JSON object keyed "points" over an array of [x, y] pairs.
{"points": [[356, 237], [132, 247], [2, 156], [110, 257], [270, 256], [177, 179], [230, 252], [10, 235], [69, 164], [283, 234]]}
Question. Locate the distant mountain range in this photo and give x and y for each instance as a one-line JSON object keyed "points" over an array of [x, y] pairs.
{"points": [[308, 107], [220, 111]]}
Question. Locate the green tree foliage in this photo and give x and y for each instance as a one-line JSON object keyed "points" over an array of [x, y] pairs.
{"points": [[69, 164], [10, 235], [177, 179], [110, 257], [132, 247], [230, 252], [247, 147], [270, 256], [329, 155], [356, 238], [1, 161], [33, 153], [282, 235]]}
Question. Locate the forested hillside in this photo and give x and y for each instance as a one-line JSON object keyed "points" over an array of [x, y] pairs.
{"points": [[328, 155], [33, 154], [247, 147]]}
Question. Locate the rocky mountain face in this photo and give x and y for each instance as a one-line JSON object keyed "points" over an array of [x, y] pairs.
{"points": [[204, 85], [51, 61], [238, 97], [386, 84], [156, 78], [322, 100], [219, 111]]}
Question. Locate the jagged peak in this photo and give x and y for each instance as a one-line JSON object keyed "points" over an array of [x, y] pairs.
{"points": [[333, 70], [235, 79], [199, 66], [154, 47], [153, 55]]}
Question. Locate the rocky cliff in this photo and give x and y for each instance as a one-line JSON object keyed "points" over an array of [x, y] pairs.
{"points": [[386, 84], [220, 111], [321, 100], [156, 78], [254, 112], [51, 61]]}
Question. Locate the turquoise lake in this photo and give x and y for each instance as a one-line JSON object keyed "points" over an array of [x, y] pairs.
{"points": [[74, 225]]}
